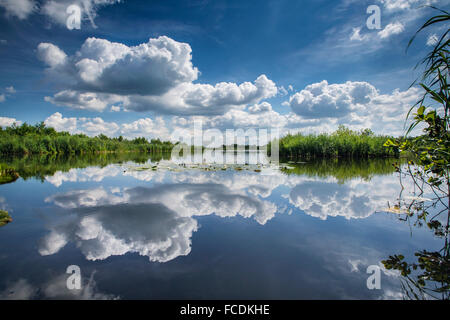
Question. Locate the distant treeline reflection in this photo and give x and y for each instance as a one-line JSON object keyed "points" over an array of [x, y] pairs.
{"points": [[344, 169], [40, 166]]}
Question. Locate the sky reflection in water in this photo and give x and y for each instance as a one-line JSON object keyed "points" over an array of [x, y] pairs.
{"points": [[306, 232]]}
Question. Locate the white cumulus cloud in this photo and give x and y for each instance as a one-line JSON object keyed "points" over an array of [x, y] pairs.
{"points": [[355, 104], [391, 29], [154, 76], [51, 54], [7, 122], [150, 68], [322, 100]]}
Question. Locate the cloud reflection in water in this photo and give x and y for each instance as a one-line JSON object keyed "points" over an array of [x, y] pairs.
{"points": [[158, 221]]}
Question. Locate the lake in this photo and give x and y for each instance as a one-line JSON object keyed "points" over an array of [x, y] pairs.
{"points": [[141, 227]]}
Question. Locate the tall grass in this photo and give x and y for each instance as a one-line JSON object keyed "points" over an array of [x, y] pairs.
{"points": [[343, 143], [39, 139]]}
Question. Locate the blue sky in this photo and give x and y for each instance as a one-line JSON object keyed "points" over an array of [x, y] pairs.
{"points": [[304, 65]]}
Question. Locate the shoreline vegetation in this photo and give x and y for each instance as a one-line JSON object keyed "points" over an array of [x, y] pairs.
{"points": [[39, 139], [36, 151], [343, 143]]}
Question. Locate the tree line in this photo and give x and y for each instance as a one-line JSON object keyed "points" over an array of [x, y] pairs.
{"points": [[40, 139]]}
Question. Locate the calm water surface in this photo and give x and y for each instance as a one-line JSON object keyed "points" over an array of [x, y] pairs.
{"points": [[305, 231]]}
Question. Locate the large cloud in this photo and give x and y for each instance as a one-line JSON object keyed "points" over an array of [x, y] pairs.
{"points": [[154, 76], [355, 104], [102, 66], [323, 100], [205, 99], [186, 99]]}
